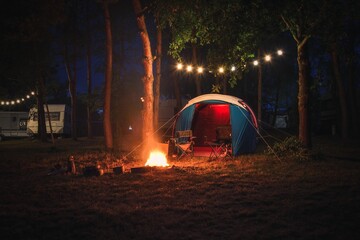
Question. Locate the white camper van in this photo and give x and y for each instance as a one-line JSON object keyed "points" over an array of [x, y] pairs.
{"points": [[13, 124], [59, 118]]}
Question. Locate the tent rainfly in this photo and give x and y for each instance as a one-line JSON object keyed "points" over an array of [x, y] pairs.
{"points": [[207, 112]]}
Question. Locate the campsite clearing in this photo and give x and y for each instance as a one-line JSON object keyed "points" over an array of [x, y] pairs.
{"points": [[249, 197]]}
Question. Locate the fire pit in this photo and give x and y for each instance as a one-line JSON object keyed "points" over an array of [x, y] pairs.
{"points": [[147, 169], [156, 162]]}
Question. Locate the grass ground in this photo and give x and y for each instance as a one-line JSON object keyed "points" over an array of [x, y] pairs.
{"points": [[250, 197]]}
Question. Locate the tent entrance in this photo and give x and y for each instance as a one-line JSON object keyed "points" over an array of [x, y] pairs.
{"points": [[207, 117]]}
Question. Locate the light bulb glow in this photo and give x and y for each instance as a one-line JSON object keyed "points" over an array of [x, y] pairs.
{"points": [[189, 68], [256, 62], [221, 70], [200, 69], [179, 66], [280, 52], [267, 58]]}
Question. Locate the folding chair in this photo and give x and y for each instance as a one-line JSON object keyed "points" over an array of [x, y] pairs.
{"points": [[221, 148], [184, 142]]}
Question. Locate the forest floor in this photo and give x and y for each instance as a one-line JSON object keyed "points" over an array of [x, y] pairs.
{"points": [[249, 197]]}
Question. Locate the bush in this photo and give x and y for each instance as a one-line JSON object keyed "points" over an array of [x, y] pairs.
{"points": [[291, 148]]}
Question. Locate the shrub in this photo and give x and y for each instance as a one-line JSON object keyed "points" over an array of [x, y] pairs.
{"points": [[290, 148]]}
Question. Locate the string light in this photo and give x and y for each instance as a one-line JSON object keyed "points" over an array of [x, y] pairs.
{"points": [[179, 66], [16, 101], [189, 68], [232, 68]]}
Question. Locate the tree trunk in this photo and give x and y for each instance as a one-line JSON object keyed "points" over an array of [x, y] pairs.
{"points": [[195, 63], [352, 97], [40, 98], [148, 79], [74, 102], [177, 93], [72, 90], [341, 93], [50, 126], [88, 75], [158, 75], [303, 94], [259, 102], [108, 77], [276, 105], [41, 112], [224, 84]]}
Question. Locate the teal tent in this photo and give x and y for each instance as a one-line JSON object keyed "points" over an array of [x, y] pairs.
{"points": [[205, 113]]}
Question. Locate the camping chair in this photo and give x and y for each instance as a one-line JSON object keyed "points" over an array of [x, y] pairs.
{"points": [[221, 147], [184, 143]]}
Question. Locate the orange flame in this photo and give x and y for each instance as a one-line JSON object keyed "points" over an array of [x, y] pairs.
{"points": [[157, 159]]}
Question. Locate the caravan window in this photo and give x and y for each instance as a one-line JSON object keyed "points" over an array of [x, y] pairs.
{"points": [[54, 116]]}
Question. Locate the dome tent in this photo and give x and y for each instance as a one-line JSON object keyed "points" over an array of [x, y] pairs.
{"points": [[203, 114]]}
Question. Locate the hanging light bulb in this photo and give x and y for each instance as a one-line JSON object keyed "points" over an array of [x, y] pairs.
{"points": [[189, 68], [267, 58], [179, 66]]}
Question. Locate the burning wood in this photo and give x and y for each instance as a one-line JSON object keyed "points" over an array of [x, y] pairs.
{"points": [[157, 159]]}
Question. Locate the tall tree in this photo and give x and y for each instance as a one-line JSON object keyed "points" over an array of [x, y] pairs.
{"points": [[71, 51], [334, 35], [302, 19], [34, 22], [158, 71], [148, 78], [108, 78], [88, 71]]}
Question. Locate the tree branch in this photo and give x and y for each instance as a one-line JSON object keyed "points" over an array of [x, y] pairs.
{"points": [[288, 25], [302, 43]]}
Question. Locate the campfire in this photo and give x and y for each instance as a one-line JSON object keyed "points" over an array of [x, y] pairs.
{"points": [[157, 159]]}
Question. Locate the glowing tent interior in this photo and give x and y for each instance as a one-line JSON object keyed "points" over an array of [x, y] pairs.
{"points": [[205, 113]]}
